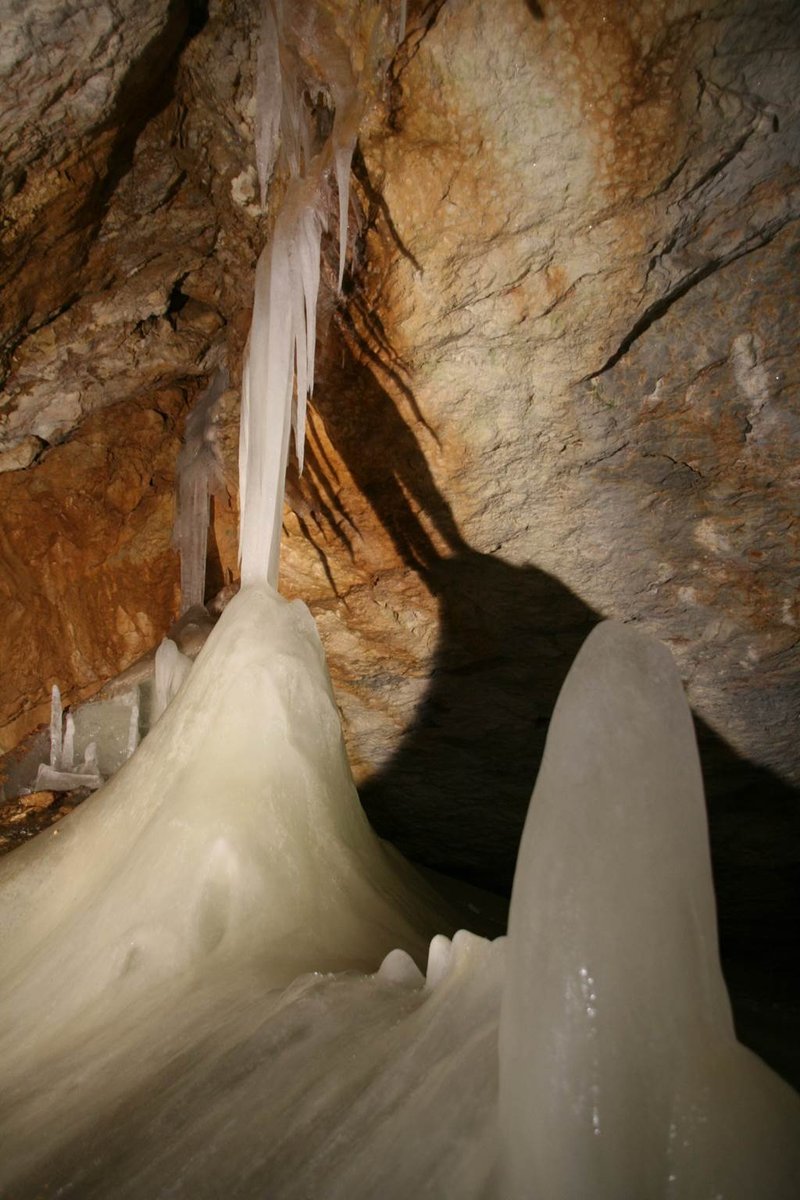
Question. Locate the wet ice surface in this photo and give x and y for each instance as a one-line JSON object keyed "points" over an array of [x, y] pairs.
{"points": [[190, 999], [616, 1026], [320, 1090]]}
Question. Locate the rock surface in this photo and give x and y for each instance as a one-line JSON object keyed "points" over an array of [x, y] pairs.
{"points": [[561, 385]]}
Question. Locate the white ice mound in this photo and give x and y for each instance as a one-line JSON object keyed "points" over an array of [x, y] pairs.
{"points": [[620, 1071], [150, 1048], [234, 832]]}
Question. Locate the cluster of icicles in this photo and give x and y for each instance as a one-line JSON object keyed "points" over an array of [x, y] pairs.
{"points": [[209, 974]]}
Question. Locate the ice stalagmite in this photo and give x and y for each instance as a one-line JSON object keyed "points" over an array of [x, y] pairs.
{"points": [[171, 668], [621, 1075], [61, 774], [56, 727], [231, 847], [190, 995]]}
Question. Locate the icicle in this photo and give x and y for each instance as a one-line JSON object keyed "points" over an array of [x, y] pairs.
{"points": [[171, 669], [55, 727], [199, 473], [343, 156], [89, 766], [282, 341], [267, 391], [133, 728], [344, 137], [268, 100], [68, 749]]}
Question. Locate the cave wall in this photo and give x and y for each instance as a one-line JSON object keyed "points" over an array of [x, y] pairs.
{"points": [[560, 384]]}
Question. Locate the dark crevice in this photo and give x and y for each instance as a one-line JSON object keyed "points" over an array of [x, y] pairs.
{"points": [[719, 166], [667, 183], [660, 307], [378, 206], [410, 48], [177, 301], [593, 462], [17, 336]]}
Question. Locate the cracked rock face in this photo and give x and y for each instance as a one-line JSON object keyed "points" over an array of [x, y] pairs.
{"points": [[562, 384]]}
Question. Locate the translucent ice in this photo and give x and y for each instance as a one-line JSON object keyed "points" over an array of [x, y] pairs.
{"points": [[228, 856], [61, 773], [56, 727], [150, 1045], [199, 473], [278, 375], [620, 1070], [268, 99], [170, 670]]}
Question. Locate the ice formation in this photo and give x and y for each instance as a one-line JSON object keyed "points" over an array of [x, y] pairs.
{"points": [[229, 855], [191, 911], [199, 473], [278, 373], [616, 1028], [210, 972], [62, 774], [170, 670]]}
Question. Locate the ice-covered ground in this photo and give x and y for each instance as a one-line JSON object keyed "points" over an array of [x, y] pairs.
{"points": [[189, 1002]]}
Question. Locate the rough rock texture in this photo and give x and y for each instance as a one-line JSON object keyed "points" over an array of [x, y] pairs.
{"points": [[562, 384], [124, 242], [570, 394], [87, 567]]}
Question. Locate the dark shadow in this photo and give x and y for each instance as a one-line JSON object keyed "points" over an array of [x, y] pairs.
{"points": [[455, 793], [215, 573], [145, 91], [535, 9]]}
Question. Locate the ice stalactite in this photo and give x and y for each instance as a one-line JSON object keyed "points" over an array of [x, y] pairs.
{"points": [[211, 979], [268, 97], [278, 375], [199, 473]]}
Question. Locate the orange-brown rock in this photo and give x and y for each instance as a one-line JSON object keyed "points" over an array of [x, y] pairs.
{"points": [[88, 578]]}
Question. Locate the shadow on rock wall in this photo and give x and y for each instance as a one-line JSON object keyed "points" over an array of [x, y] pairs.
{"points": [[455, 794]]}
